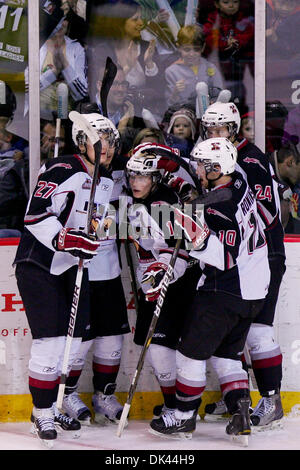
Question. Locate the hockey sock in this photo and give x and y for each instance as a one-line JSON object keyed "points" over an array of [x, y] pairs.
{"points": [[163, 361], [231, 399], [230, 373], [106, 360], [190, 383], [266, 357], [43, 371], [77, 367]]}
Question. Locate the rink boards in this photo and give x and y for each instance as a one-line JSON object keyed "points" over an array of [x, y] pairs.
{"points": [[15, 341]]}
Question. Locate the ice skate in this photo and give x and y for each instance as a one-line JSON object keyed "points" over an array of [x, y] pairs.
{"points": [[43, 426], [106, 406], [74, 407], [216, 411], [65, 423], [268, 413], [239, 427], [169, 425]]}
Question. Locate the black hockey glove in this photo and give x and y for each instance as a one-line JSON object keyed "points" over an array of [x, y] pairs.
{"points": [[76, 242]]}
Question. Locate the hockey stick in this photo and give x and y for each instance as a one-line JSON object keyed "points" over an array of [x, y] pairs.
{"points": [[211, 198], [62, 112], [108, 77], [249, 366], [159, 304], [96, 142]]}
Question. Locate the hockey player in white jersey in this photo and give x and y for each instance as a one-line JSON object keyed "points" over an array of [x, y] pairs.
{"points": [[109, 322], [54, 240], [151, 231], [223, 120], [233, 284]]}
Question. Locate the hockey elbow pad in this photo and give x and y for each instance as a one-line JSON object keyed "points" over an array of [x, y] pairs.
{"points": [[76, 242]]}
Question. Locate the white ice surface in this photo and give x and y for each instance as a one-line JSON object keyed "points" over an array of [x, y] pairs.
{"points": [[136, 437]]}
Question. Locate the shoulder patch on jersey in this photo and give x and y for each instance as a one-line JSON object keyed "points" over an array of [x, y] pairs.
{"points": [[211, 211], [255, 161], [67, 166]]}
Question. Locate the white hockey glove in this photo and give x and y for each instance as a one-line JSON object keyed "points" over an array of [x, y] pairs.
{"points": [[76, 242], [154, 275], [194, 228]]}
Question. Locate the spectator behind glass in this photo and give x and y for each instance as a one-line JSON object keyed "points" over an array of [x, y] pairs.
{"points": [[184, 74], [183, 126], [12, 146], [61, 60], [230, 33], [14, 183], [247, 126], [286, 164], [119, 25], [292, 124], [48, 139]]}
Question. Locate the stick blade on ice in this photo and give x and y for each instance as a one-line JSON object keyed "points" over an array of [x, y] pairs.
{"points": [[123, 419]]}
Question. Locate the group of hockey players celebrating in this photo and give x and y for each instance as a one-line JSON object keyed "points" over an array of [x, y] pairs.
{"points": [[223, 204]]}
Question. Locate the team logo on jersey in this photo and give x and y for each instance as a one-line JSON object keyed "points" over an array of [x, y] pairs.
{"points": [[254, 160], [105, 187], [238, 184], [215, 212]]}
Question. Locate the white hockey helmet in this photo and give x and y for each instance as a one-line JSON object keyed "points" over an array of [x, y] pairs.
{"points": [[221, 114], [102, 124], [145, 164], [216, 151]]}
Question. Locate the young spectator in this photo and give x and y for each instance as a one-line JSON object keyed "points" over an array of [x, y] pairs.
{"points": [[183, 75], [229, 32], [183, 126], [247, 126]]}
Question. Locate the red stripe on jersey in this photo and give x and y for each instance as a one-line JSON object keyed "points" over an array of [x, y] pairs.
{"points": [[188, 390], [101, 368], [267, 362], [44, 384]]}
